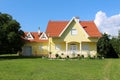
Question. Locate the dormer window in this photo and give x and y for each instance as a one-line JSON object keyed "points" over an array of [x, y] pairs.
{"points": [[43, 36], [74, 32], [29, 36]]}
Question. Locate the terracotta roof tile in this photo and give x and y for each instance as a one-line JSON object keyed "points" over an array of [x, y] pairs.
{"points": [[90, 28], [54, 28]]}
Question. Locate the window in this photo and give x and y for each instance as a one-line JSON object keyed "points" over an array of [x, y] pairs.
{"points": [[73, 32], [43, 37], [41, 47], [73, 47], [29, 36], [57, 47], [86, 47]]}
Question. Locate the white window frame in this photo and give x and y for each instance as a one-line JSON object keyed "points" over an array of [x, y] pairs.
{"points": [[74, 32]]}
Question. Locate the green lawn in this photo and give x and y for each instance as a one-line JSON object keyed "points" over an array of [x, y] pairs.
{"points": [[45, 69]]}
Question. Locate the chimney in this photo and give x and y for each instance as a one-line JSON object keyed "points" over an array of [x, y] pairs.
{"points": [[38, 30], [77, 18]]}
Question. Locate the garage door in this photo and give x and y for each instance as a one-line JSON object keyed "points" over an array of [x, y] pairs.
{"points": [[27, 51]]}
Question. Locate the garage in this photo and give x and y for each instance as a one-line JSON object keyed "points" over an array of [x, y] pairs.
{"points": [[27, 51]]}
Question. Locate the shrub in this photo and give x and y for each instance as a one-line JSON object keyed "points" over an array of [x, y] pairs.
{"points": [[82, 56], [56, 55], [62, 53], [50, 54], [67, 57], [78, 56]]}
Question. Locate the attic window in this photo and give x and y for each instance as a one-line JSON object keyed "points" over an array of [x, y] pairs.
{"points": [[29, 36], [43, 36], [74, 32]]}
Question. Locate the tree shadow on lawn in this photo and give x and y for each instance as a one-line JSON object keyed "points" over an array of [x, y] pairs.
{"points": [[18, 57]]}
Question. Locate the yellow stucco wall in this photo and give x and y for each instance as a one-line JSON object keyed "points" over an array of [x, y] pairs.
{"points": [[38, 49]]}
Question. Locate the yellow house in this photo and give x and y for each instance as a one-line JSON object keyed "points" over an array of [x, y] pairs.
{"points": [[65, 38]]}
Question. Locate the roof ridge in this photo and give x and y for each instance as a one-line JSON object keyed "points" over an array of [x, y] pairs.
{"points": [[69, 20], [59, 21], [33, 32]]}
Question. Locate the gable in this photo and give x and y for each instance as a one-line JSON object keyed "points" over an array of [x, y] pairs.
{"points": [[74, 32]]}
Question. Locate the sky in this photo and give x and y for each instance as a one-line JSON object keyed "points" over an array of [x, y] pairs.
{"points": [[32, 14]]}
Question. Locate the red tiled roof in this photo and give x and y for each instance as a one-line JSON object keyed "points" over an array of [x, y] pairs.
{"points": [[36, 37], [90, 28], [54, 28]]}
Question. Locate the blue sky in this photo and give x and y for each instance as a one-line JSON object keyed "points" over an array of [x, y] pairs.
{"points": [[33, 13]]}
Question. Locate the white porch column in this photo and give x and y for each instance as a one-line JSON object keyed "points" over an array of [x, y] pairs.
{"points": [[66, 48], [80, 47]]}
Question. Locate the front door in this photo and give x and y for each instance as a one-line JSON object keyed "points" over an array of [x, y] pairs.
{"points": [[73, 48]]}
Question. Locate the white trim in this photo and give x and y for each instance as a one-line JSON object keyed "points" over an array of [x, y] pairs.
{"points": [[30, 36], [41, 36], [66, 26], [77, 21]]}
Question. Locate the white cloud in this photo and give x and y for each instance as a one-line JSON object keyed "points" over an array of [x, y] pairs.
{"points": [[111, 24]]}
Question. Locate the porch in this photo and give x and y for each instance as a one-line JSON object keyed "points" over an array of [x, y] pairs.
{"points": [[73, 49]]}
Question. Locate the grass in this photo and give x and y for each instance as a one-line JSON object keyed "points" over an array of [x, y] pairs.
{"points": [[46, 69]]}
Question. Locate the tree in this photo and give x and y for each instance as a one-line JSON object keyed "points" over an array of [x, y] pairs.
{"points": [[104, 47], [11, 36], [118, 42], [115, 41], [119, 34]]}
